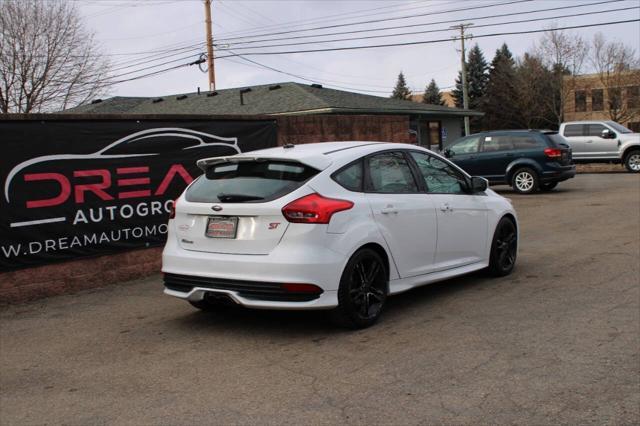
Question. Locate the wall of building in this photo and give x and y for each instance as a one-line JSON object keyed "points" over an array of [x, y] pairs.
{"points": [[628, 83], [68, 277], [301, 129]]}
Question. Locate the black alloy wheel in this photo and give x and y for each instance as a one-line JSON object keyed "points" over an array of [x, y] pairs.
{"points": [[363, 290], [504, 248]]}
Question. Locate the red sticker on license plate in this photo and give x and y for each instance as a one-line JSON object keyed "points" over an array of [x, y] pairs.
{"points": [[222, 227]]}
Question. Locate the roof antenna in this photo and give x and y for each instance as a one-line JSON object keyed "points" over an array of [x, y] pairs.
{"points": [[198, 90], [288, 146]]}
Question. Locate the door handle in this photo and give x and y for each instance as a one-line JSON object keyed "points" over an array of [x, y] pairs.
{"points": [[445, 207], [589, 141], [509, 154], [389, 210]]}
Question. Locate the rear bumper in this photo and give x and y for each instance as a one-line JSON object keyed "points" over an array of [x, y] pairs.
{"points": [[327, 300], [254, 280], [559, 173]]}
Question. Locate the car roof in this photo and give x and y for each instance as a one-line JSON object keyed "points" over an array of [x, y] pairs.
{"points": [[587, 122], [319, 155]]}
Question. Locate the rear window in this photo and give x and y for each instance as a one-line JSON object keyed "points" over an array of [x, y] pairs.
{"points": [[556, 139], [248, 182]]}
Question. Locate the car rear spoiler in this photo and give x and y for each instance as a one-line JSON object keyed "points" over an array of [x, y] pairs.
{"points": [[318, 162]]}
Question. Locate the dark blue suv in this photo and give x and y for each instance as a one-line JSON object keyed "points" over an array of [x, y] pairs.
{"points": [[528, 160]]}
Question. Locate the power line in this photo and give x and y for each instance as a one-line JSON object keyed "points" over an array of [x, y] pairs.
{"points": [[141, 61], [412, 43], [436, 30], [450, 21], [373, 21], [310, 80], [333, 18]]}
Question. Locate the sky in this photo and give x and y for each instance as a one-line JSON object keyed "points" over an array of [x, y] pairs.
{"points": [[144, 36]]}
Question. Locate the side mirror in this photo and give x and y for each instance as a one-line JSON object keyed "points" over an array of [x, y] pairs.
{"points": [[607, 134], [479, 184], [448, 153]]}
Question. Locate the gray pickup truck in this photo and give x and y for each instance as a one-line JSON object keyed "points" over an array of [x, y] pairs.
{"points": [[597, 141]]}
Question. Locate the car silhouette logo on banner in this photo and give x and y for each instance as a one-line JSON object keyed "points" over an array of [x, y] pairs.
{"points": [[145, 143]]}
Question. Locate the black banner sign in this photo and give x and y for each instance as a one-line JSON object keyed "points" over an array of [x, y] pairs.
{"points": [[87, 187]]}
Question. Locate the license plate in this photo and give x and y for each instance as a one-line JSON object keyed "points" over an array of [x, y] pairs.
{"points": [[221, 227]]}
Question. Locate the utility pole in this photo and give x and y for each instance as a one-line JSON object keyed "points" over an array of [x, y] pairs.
{"points": [[212, 72], [463, 64]]}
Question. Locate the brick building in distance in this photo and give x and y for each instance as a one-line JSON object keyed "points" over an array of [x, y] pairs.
{"points": [[604, 97]]}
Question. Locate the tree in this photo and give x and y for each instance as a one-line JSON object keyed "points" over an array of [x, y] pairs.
{"points": [[498, 104], [432, 94], [612, 62], [564, 54], [401, 91], [48, 61], [533, 83], [477, 78]]}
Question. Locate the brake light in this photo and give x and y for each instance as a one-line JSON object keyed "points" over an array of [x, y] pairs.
{"points": [[314, 208], [172, 210], [553, 152]]}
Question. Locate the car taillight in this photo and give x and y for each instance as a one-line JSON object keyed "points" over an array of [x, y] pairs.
{"points": [[172, 211], [553, 152], [314, 208]]}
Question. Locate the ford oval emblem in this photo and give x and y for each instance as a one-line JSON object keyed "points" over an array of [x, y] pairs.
{"points": [[216, 208]]}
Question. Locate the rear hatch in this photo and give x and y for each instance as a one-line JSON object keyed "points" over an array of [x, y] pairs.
{"points": [[236, 207], [558, 141]]}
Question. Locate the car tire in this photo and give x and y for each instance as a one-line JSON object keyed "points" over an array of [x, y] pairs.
{"points": [[504, 248], [548, 186], [363, 290], [525, 181], [632, 161]]}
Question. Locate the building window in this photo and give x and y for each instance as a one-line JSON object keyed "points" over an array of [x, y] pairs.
{"points": [[581, 101], [615, 98], [597, 100], [633, 97]]}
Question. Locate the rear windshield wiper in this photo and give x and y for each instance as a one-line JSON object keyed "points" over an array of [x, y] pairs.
{"points": [[237, 197]]}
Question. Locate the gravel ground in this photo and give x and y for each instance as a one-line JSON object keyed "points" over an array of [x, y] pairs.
{"points": [[557, 342]]}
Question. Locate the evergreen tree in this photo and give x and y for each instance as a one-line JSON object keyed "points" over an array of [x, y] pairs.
{"points": [[401, 91], [499, 102], [534, 85], [477, 79], [432, 94]]}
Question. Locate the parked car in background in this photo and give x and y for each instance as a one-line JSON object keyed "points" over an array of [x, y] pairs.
{"points": [[595, 141], [528, 160], [335, 225]]}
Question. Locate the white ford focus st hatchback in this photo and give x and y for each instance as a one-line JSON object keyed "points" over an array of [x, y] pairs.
{"points": [[336, 225]]}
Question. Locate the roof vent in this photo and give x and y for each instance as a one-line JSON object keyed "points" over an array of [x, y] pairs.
{"points": [[210, 94], [317, 86], [242, 92], [181, 97], [96, 101], [275, 87], [156, 100]]}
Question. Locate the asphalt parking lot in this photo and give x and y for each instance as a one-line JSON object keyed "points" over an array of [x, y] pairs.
{"points": [[558, 341]]}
